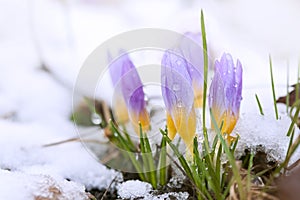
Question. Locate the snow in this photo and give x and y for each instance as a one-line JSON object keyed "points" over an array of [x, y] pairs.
{"points": [[133, 189], [136, 189], [26, 186], [169, 196], [264, 131], [35, 105]]}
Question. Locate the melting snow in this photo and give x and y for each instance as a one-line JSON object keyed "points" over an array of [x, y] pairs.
{"points": [[264, 131]]}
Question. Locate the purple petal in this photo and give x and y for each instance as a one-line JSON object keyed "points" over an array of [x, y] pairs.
{"points": [[131, 86], [115, 69], [216, 91], [176, 82], [191, 48]]}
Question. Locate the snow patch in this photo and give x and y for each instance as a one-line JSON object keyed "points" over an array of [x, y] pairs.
{"points": [[133, 189], [20, 186], [169, 196], [263, 132], [137, 189]]}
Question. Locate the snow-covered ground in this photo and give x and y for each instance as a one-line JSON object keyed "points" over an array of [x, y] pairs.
{"points": [[35, 104]]}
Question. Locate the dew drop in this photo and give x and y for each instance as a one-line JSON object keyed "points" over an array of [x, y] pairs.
{"points": [[96, 119], [180, 104], [176, 87], [136, 156], [178, 62], [146, 99]]}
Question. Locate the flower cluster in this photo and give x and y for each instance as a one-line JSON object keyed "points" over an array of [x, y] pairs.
{"points": [[182, 81]]}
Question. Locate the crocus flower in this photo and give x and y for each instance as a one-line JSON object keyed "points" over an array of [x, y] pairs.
{"points": [[120, 110], [226, 93], [133, 94], [178, 97], [191, 49]]}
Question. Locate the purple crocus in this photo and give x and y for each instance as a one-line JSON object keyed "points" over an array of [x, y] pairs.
{"points": [[119, 106], [226, 93], [130, 86], [191, 49], [178, 97], [132, 89]]}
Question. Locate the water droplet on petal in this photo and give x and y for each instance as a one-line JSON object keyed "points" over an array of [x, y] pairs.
{"points": [[146, 99], [180, 104], [176, 87], [178, 62]]}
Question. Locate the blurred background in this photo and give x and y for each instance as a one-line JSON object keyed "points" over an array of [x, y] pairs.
{"points": [[44, 43], [56, 36], [60, 34]]}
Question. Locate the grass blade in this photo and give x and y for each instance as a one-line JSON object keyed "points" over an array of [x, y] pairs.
{"points": [[201, 189], [297, 84], [294, 119], [273, 88], [196, 157], [249, 172], [180, 157], [259, 105], [231, 159], [127, 136], [199, 171], [287, 98], [205, 68], [150, 161], [131, 155], [148, 158], [144, 156], [219, 165], [234, 145]]}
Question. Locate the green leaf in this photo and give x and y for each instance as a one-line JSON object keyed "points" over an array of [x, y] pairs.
{"points": [[131, 155], [148, 157], [180, 157], [163, 162]]}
